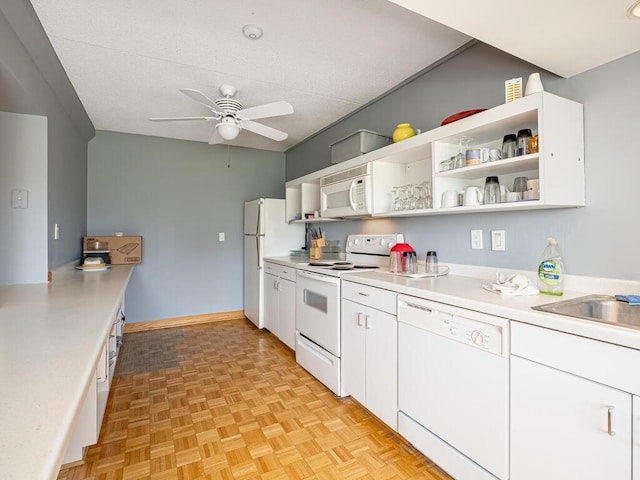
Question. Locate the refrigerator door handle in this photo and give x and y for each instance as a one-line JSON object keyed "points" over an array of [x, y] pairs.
{"points": [[258, 252], [258, 219]]}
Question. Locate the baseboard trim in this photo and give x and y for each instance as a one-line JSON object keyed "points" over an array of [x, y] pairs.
{"points": [[183, 321]]}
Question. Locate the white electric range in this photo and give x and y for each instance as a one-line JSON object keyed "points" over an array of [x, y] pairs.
{"points": [[318, 303]]}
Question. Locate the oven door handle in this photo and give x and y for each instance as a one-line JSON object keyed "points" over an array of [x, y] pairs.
{"points": [[318, 277]]}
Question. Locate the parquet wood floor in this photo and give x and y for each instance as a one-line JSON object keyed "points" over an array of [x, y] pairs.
{"points": [[237, 406]]}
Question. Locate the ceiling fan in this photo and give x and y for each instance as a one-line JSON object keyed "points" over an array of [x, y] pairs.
{"points": [[231, 117]]}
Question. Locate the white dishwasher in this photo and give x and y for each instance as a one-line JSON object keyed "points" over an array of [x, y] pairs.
{"points": [[453, 379]]}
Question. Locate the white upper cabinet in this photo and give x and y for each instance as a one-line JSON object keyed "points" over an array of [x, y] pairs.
{"points": [[558, 164]]}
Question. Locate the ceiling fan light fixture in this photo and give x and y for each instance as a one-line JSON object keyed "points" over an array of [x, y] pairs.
{"points": [[251, 31], [228, 129], [634, 11]]}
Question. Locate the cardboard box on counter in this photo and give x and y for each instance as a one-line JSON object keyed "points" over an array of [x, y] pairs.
{"points": [[123, 250]]}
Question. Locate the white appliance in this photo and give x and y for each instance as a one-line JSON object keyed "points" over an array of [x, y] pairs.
{"points": [[266, 233], [453, 374], [347, 193], [318, 297]]}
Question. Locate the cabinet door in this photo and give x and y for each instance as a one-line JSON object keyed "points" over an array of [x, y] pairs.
{"points": [[286, 330], [353, 350], [271, 302], [636, 437], [560, 426], [381, 362]]}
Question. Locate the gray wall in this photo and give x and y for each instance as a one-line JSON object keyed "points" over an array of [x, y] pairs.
{"points": [[179, 195], [597, 240], [33, 81]]}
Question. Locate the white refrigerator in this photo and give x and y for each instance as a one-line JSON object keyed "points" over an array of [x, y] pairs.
{"points": [[266, 234]]}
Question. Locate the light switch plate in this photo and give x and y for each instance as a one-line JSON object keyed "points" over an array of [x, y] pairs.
{"points": [[476, 239], [221, 237], [498, 240], [19, 198]]}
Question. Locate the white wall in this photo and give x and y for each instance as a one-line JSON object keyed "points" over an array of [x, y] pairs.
{"points": [[23, 166]]}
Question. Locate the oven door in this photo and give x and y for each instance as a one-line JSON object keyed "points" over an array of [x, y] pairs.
{"points": [[318, 309]]}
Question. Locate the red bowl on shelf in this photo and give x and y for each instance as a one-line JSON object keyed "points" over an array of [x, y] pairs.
{"points": [[460, 115]]}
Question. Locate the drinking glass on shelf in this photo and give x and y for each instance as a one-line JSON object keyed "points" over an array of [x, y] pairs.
{"points": [[460, 158], [428, 194], [412, 197], [447, 164], [397, 201]]}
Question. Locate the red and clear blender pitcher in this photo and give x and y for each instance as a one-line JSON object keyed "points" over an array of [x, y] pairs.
{"points": [[402, 259]]}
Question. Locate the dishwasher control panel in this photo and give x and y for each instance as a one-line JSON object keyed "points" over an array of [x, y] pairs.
{"points": [[479, 330]]}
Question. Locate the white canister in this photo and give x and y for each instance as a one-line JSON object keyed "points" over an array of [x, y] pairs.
{"points": [[533, 189]]}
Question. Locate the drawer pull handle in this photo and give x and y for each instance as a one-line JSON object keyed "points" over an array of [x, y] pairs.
{"points": [[609, 418], [363, 294]]}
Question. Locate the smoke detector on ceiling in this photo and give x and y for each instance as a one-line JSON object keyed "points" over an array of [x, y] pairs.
{"points": [[252, 32]]}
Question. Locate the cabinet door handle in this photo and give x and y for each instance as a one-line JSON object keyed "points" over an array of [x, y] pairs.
{"points": [[360, 319], [366, 322], [609, 421]]}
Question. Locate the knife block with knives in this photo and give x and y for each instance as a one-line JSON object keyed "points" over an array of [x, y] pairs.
{"points": [[315, 251]]}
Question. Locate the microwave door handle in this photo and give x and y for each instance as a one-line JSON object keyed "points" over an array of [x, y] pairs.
{"points": [[352, 190]]}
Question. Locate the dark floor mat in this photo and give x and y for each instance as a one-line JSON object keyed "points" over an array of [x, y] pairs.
{"points": [[149, 351]]}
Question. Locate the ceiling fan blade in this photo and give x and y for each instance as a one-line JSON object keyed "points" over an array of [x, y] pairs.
{"points": [[202, 99], [174, 119], [263, 130], [265, 111]]}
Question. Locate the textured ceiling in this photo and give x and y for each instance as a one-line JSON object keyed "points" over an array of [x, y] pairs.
{"points": [[566, 37], [127, 60]]}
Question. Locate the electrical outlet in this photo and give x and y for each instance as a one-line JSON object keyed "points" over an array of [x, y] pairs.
{"points": [[221, 237], [498, 240], [476, 239]]}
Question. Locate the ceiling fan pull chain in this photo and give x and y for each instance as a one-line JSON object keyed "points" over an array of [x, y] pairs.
{"points": [[228, 156]]}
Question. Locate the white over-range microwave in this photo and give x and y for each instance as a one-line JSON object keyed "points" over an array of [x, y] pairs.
{"points": [[347, 193]]}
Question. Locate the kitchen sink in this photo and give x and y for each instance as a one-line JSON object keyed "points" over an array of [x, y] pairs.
{"points": [[597, 308]]}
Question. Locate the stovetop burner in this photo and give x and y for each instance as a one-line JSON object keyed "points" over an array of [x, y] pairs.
{"points": [[364, 252]]}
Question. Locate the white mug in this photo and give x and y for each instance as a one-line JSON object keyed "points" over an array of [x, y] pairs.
{"points": [[514, 197], [504, 191], [533, 189], [472, 196], [450, 199]]}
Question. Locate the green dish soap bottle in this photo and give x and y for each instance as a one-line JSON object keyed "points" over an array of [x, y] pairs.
{"points": [[551, 270]]}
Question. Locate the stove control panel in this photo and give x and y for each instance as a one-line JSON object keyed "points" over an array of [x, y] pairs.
{"points": [[375, 244]]}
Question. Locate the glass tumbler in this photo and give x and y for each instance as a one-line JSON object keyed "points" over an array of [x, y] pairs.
{"points": [[509, 146], [520, 186], [491, 190], [524, 136], [431, 263]]}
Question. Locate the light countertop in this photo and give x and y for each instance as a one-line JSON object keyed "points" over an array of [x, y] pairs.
{"points": [[51, 337], [467, 292], [463, 288]]}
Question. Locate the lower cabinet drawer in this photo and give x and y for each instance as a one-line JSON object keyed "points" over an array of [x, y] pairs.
{"points": [[378, 298]]}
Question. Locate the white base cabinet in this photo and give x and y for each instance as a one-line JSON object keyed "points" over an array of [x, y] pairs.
{"points": [[370, 349], [575, 413], [564, 426], [87, 429], [280, 302]]}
